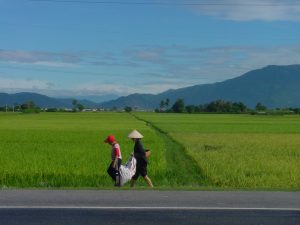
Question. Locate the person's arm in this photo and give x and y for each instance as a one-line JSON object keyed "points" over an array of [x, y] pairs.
{"points": [[115, 162], [147, 153], [117, 155]]}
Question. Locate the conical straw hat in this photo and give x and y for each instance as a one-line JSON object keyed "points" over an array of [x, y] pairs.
{"points": [[135, 134]]}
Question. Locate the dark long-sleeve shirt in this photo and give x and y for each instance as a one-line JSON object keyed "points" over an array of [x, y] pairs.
{"points": [[139, 152]]}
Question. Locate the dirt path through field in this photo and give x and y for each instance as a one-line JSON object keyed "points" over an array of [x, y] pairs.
{"points": [[182, 169]]}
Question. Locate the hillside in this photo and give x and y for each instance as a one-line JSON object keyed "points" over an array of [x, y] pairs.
{"points": [[273, 86], [40, 100]]}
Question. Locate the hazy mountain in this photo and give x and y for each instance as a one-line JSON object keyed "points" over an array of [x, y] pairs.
{"points": [[273, 86], [95, 98], [141, 101], [40, 100]]}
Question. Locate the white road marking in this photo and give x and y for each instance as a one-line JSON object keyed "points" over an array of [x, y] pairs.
{"points": [[148, 208]]}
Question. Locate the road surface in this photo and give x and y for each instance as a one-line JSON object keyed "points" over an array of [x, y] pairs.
{"points": [[65, 207]]}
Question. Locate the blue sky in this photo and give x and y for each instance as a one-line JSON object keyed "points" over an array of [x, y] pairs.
{"points": [[79, 48]]}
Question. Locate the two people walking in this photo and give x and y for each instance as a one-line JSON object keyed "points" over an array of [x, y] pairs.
{"points": [[139, 153]]}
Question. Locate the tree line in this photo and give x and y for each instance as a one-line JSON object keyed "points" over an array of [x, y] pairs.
{"points": [[26, 107], [31, 107], [219, 106], [179, 106]]}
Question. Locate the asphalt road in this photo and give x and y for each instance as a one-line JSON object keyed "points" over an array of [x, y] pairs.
{"points": [[148, 207]]}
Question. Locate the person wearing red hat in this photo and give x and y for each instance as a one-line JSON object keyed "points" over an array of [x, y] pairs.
{"points": [[113, 169]]}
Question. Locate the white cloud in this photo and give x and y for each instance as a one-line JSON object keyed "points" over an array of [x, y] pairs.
{"points": [[103, 88], [147, 54], [44, 87], [123, 90], [180, 66], [244, 10], [49, 59], [13, 85], [55, 64], [6, 83]]}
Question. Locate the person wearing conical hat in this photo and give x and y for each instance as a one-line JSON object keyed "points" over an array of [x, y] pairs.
{"points": [[116, 157], [141, 159]]}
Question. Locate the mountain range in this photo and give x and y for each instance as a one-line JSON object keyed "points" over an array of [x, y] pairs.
{"points": [[40, 100], [273, 86]]}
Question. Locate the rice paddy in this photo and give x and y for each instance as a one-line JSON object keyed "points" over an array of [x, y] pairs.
{"points": [[66, 150], [238, 151]]}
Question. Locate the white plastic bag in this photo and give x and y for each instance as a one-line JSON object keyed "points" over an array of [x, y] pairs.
{"points": [[127, 170]]}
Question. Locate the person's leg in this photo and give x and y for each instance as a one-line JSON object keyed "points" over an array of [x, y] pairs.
{"points": [[134, 178], [111, 171], [118, 179], [148, 180], [117, 183], [144, 173], [136, 175]]}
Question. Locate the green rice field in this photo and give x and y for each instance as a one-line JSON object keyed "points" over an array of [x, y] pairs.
{"points": [[238, 151], [66, 150]]}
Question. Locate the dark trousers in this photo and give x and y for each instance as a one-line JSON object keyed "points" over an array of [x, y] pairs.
{"points": [[114, 173]]}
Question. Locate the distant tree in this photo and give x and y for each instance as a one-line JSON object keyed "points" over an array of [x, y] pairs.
{"points": [[28, 105], [202, 108], [162, 105], [128, 109], [239, 107], [17, 107], [52, 110], [211, 107], [296, 110], [74, 103], [190, 108], [260, 107], [77, 106], [178, 106], [113, 109], [197, 109], [218, 106], [167, 102], [243, 107], [221, 106], [80, 107]]}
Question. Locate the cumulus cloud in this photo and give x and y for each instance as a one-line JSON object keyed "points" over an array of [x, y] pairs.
{"points": [[244, 10]]}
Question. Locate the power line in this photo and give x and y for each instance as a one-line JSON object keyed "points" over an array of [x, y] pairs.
{"points": [[166, 3]]}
